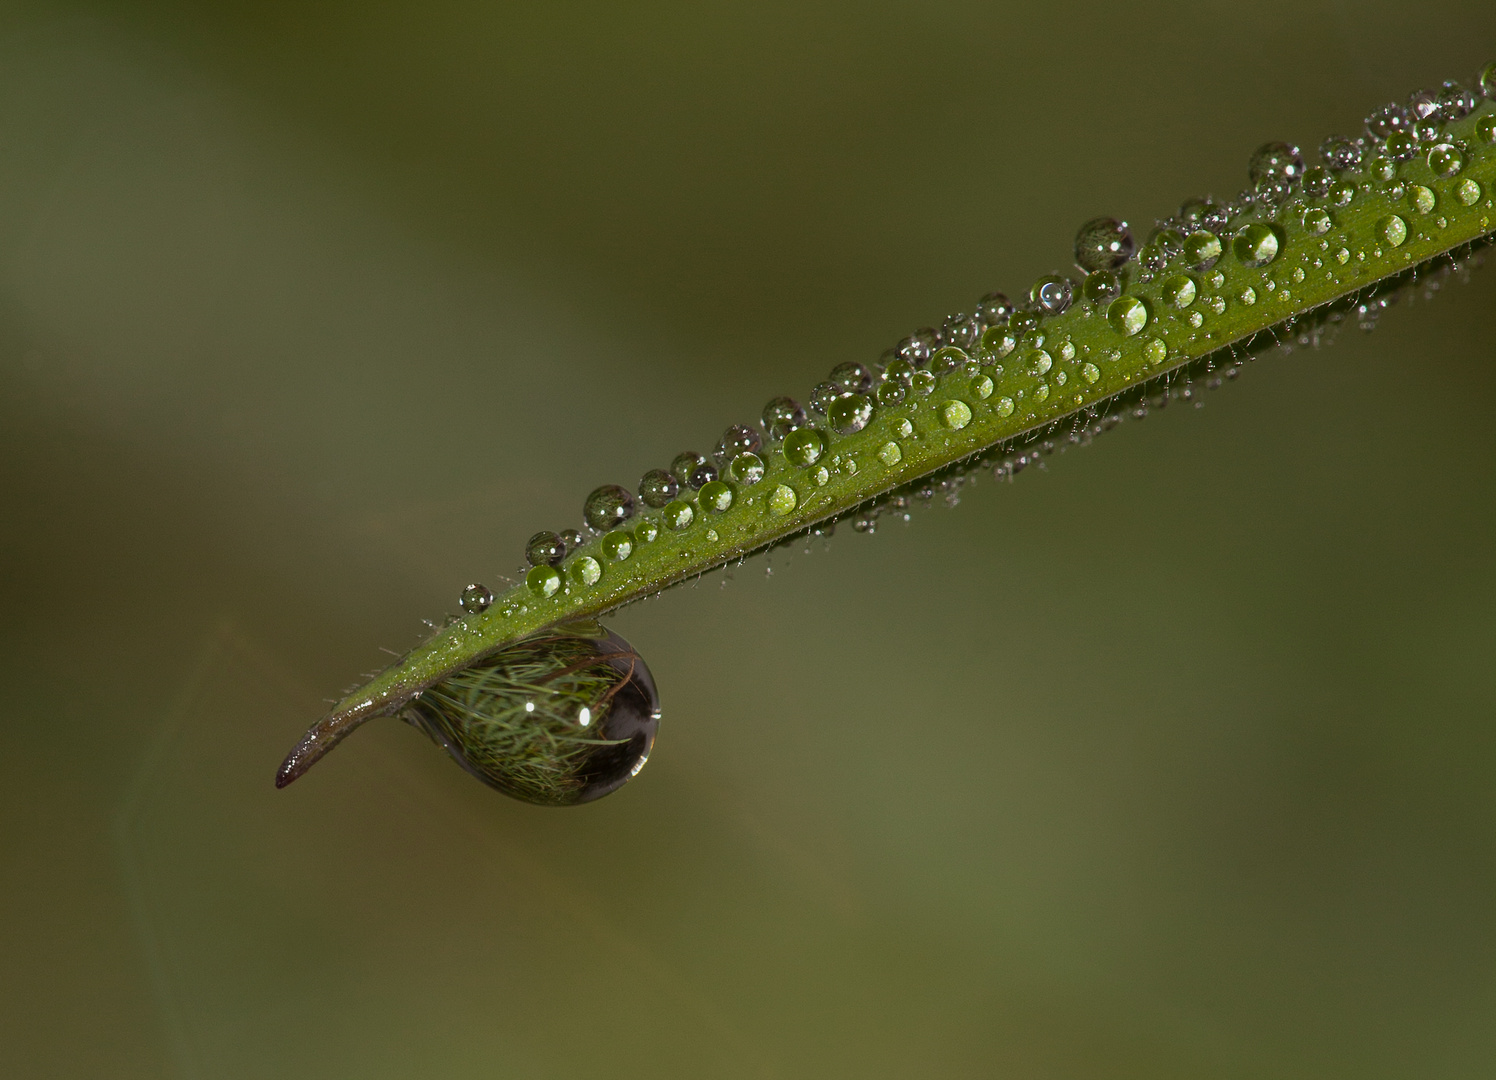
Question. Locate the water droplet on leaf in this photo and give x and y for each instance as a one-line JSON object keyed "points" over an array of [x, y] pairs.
{"points": [[476, 599], [544, 548]]}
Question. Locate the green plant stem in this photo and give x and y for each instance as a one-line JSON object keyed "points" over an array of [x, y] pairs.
{"points": [[1072, 363]]}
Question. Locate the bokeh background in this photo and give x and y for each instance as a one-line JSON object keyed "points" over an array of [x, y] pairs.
{"points": [[1174, 759]]}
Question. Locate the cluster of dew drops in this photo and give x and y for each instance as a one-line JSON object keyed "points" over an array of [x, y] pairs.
{"points": [[1107, 256]]}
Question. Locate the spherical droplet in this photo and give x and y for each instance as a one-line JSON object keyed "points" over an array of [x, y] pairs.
{"points": [[1101, 287], [1038, 362], [1393, 229], [1256, 245], [850, 414], [1381, 168], [782, 500], [997, 342], [702, 475], [782, 416], [916, 348], [1052, 294], [804, 447], [822, 395], [1103, 244], [584, 571], [1485, 82], [1339, 153], [1204, 214], [543, 580], [945, 360], [1388, 120], [1155, 351], [955, 414], [1202, 249], [1317, 221], [1275, 159], [1468, 192], [1041, 392], [544, 549], [1423, 104], [1090, 372], [1422, 199], [1485, 128], [1446, 160], [1247, 297], [1456, 101], [585, 734], [738, 439], [678, 515], [571, 540], [476, 599], [1178, 291], [607, 507], [993, 308], [646, 532], [657, 487], [618, 545], [1401, 146], [685, 463], [851, 377], [1127, 315], [922, 383], [715, 496], [1004, 407], [746, 469], [982, 387], [1318, 181], [890, 453], [891, 393], [960, 331]]}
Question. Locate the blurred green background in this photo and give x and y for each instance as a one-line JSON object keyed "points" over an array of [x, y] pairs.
{"points": [[1173, 760]]}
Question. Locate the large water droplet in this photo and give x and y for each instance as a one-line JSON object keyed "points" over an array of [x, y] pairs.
{"points": [[1038, 362], [1103, 244], [607, 507], [1317, 221], [960, 331], [945, 360], [1393, 229], [955, 414], [646, 532], [804, 447], [476, 599], [782, 500], [782, 416], [851, 378], [1422, 199], [1485, 82], [890, 453], [891, 393], [1275, 160], [738, 439], [1202, 249], [1468, 192], [562, 717], [678, 515], [1155, 351], [993, 309], [1485, 128], [997, 342], [1090, 372], [1318, 181], [1256, 245], [702, 475], [1388, 120], [850, 414], [746, 469], [618, 545], [715, 496], [1423, 105], [544, 548], [1401, 146], [1101, 287], [1127, 315], [1004, 406], [543, 580], [686, 463], [657, 487], [1178, 291], [1339, 153], [1446, 160], [584, 571], [1456, 101]]}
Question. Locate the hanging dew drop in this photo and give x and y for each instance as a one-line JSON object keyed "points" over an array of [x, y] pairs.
{"points": [[738, 439], [476, 599], [703, 474], [852, 378]]}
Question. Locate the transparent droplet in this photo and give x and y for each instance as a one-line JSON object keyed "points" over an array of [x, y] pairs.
{"points": [[922, 383], [476, 599], [686, 463], [1256, 245], [646, 532], [993, 309], [1103, 244], [1090, 372], [1155, 351], [850, 414], [917, 347], [891, 393], [618, 545], [571, 540], [1004, 407], [746, 469], [960, 331], [584, 570], [1446, 160], [900, 371], [1342, 194], [1401, 146], [890, 453], [1041, 392], [1339, 153], [1202, 249], [1468, 192], [544, 549], [823, 394], [997, 342], [1101, 287], [1485, 128], [1388, 120], [1204, 214], [1318, 181], [1275, 159], [955, 414], [1381, 168], [702, 475], [1393, 229], [851, 378], [782, 500], [678, 515], [1317, 221], [1485, 82], [1127, 315], [543, 580], [657, 487], [738, 439], [804, 447], [1422, 105], [1422, 199], [1178, 291], [782, 416], [1021, 322], [982, 387], [1456, 101], [1038, 362], [945, 360], [1052, 294], [715, 496], [585, 734]]}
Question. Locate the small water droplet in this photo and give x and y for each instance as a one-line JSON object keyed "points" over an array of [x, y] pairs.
{"points": [[1393, 229], [476, 599], [782, 500], [1155, 351], [955, 414], [618, 545], [1468, 192], [850, 414], [746, 469], [1202, 250], [993, 309], [544, 548], [890, 453], [1041, 392], [824, 395], [646, 532], [1388, 120], [1038, 362], [1090, 372], [1485, 128], [543, 581], [738, 439], [891, 392], [584, 571], [1178, 291], [1317, 221], [1339, 153], [922, 383], [1101, 287], [1401, 146], [982, 386], [1052, 294], [820, 476], [703, 474], [1421, 199], [904, 428], [945, 360], [711, 536], [1196, 319], [997, 342], [686, 463], [1256, 244], [1103, 244], [678, 515], [1318, 181], [1342, 195], [782, 416], [1275, 160], [1248, 296], [804, 447], [1127, 315], [1004, 406], [1343, 256]]}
